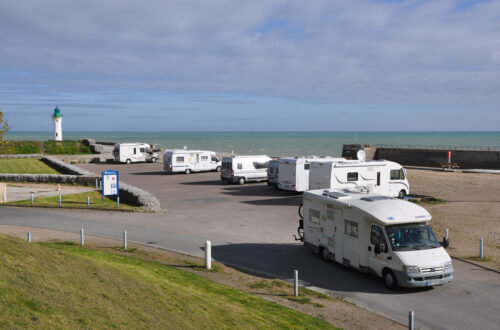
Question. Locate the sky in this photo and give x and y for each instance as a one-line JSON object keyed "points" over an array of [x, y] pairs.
{"points": [[353, 65]]}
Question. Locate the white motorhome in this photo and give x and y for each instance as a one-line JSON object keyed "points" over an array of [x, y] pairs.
{"points": [[134, 152], [381, 176], [187, 161], [294, 172], [389, 237], [272, 173], [241, 169]]}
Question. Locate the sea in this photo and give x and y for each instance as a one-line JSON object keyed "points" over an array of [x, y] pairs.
{"points": [[284, 143]]}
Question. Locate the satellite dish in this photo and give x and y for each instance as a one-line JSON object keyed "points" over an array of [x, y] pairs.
{"points": [[361, 155]]}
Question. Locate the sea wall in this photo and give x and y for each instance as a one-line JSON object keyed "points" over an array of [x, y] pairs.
{"points": [[466, 159]]}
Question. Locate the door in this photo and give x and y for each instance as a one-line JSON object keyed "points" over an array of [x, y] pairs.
{"points": [[338, 230], [377, 261]]}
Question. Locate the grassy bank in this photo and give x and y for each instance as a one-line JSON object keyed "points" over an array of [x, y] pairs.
{"points": [[66, 148], [78, 201], [59, 285], [25, 166], [20, 147]]}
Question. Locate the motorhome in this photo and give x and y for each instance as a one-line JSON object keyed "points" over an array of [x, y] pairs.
{"points": [[241, 169], [272, 173], [389, 237], [381, 176], [294, 172], [187, 161], [134, 152]]}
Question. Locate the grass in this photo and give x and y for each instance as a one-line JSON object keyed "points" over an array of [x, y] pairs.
{"points": [[485, 259], [58, 285], [78, 201], [25, 166], [20, 147], [427, 200], [69, 147]]}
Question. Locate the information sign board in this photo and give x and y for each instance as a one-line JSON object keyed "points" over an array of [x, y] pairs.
{"points": [[110, 183]]}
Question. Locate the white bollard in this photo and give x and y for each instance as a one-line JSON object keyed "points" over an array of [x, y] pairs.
{"points": [[124, 239], [96, 184], [208, 255], [88, 201], [32, 198], [296, 283], [60, 200], [481, 251], [4, 198], [82, 237], [411, 320], [29, 237], [117, 202], [446, 233]]}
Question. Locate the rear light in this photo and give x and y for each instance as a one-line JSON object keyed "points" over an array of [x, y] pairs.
{"points": [[232, 172]]}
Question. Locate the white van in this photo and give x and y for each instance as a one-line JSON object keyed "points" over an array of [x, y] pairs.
{"points": [[294, 172], [134, 152], [272, 173], [242, 169], [187, 161], [389, 237], [381, 176]]}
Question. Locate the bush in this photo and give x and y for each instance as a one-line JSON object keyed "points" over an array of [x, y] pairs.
{"points": [[20, 147], [66, 148]]}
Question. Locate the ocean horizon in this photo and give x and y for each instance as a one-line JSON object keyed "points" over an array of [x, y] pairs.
{"points": [[280, 143]]}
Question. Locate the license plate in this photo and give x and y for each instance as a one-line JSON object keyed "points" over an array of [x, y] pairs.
{"points": [[433, 282]]}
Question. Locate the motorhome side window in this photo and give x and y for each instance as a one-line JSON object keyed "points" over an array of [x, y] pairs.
{"points": [[204, 157], [306, 166], [135, 151], [240, 166], [397, 174], [142, 149], [351, 228], [314, 216], [352, 176], [258, 165], [179, 159]]}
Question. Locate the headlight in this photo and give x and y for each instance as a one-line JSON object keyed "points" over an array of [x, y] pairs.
{"points": [[412, 269], [448, 265]]}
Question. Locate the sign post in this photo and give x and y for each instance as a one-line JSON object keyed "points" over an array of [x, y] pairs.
{"points": [[110, 184]]}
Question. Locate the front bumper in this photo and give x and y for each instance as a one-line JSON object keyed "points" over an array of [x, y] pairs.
{"points": [[418, 280]]}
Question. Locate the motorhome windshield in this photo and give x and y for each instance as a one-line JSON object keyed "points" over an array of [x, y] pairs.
{"points": [[413, 236]]}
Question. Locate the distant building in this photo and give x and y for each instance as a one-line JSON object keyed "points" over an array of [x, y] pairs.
{"points": [[57, 117]]}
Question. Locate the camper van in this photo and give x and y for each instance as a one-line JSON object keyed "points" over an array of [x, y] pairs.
{"points": [[272, 173], [294, 172], [241, 169], [381, 176], [134, 152], [187, 161], [389, 237]]}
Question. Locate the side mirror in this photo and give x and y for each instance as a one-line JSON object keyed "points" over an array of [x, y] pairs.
{"points": [[377, 248], [445, 243]]}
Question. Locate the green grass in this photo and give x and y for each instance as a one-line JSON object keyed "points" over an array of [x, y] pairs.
{"points": [[485, 258], [25, 166], [69, 147], [56, 285], [78, 201], [20, 147], [427, 200]]}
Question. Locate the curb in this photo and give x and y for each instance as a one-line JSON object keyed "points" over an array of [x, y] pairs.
{"points": [[476, 264], [71, 208]]}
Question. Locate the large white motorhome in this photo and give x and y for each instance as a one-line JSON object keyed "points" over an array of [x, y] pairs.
{"points": [[294, 171], [381, 176], [272, 173], [187, 161], [389, 237], [241, 169], [134, 152]]}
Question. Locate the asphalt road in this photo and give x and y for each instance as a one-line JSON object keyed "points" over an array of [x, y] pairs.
{"points": [[251, 227]]}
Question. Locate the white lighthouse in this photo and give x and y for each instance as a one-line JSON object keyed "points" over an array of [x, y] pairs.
{"points": [[57, 118]]}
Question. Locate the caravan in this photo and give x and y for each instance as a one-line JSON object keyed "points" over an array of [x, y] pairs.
{"points": [[272, 173], [386, 236], [241, 169], [187, 161], [134, 152], [381, 176], [294, 172]]}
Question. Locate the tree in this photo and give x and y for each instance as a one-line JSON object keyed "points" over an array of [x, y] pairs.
{"points": [[4, 126]]}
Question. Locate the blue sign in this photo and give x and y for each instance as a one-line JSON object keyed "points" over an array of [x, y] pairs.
{"points": [[110, 183]]}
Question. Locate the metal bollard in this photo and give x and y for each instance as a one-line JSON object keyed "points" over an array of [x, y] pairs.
{"points": [[32, 198], [100, 185], [4, 198], [96, 184], [411, 320], [446, 233], [208, 255], [481, 251], [117, 202], [88, 201], [29, 237], [296, 283], [60, 200], [82, 237], [124, 239]]}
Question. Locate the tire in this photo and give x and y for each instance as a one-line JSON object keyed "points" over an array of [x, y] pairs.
{"points": [[324, 254], [241, 180], [128, 161], [217, 169], [188, 171], [390, 280], [153, 160], [402, 194]]}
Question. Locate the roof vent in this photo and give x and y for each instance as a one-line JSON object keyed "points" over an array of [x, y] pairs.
{"points": [[338, 195]]}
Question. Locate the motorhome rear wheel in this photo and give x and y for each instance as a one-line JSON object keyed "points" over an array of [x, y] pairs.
{"points": [[217, 169], [324, 254], [128, 161], [241, 180], [402, 194], [188, 171]]}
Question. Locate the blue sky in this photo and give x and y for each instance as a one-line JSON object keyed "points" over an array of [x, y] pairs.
{"points": [[251, 65]]}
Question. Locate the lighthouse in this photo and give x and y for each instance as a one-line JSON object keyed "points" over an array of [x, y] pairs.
{"points": [[57, 118]]}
